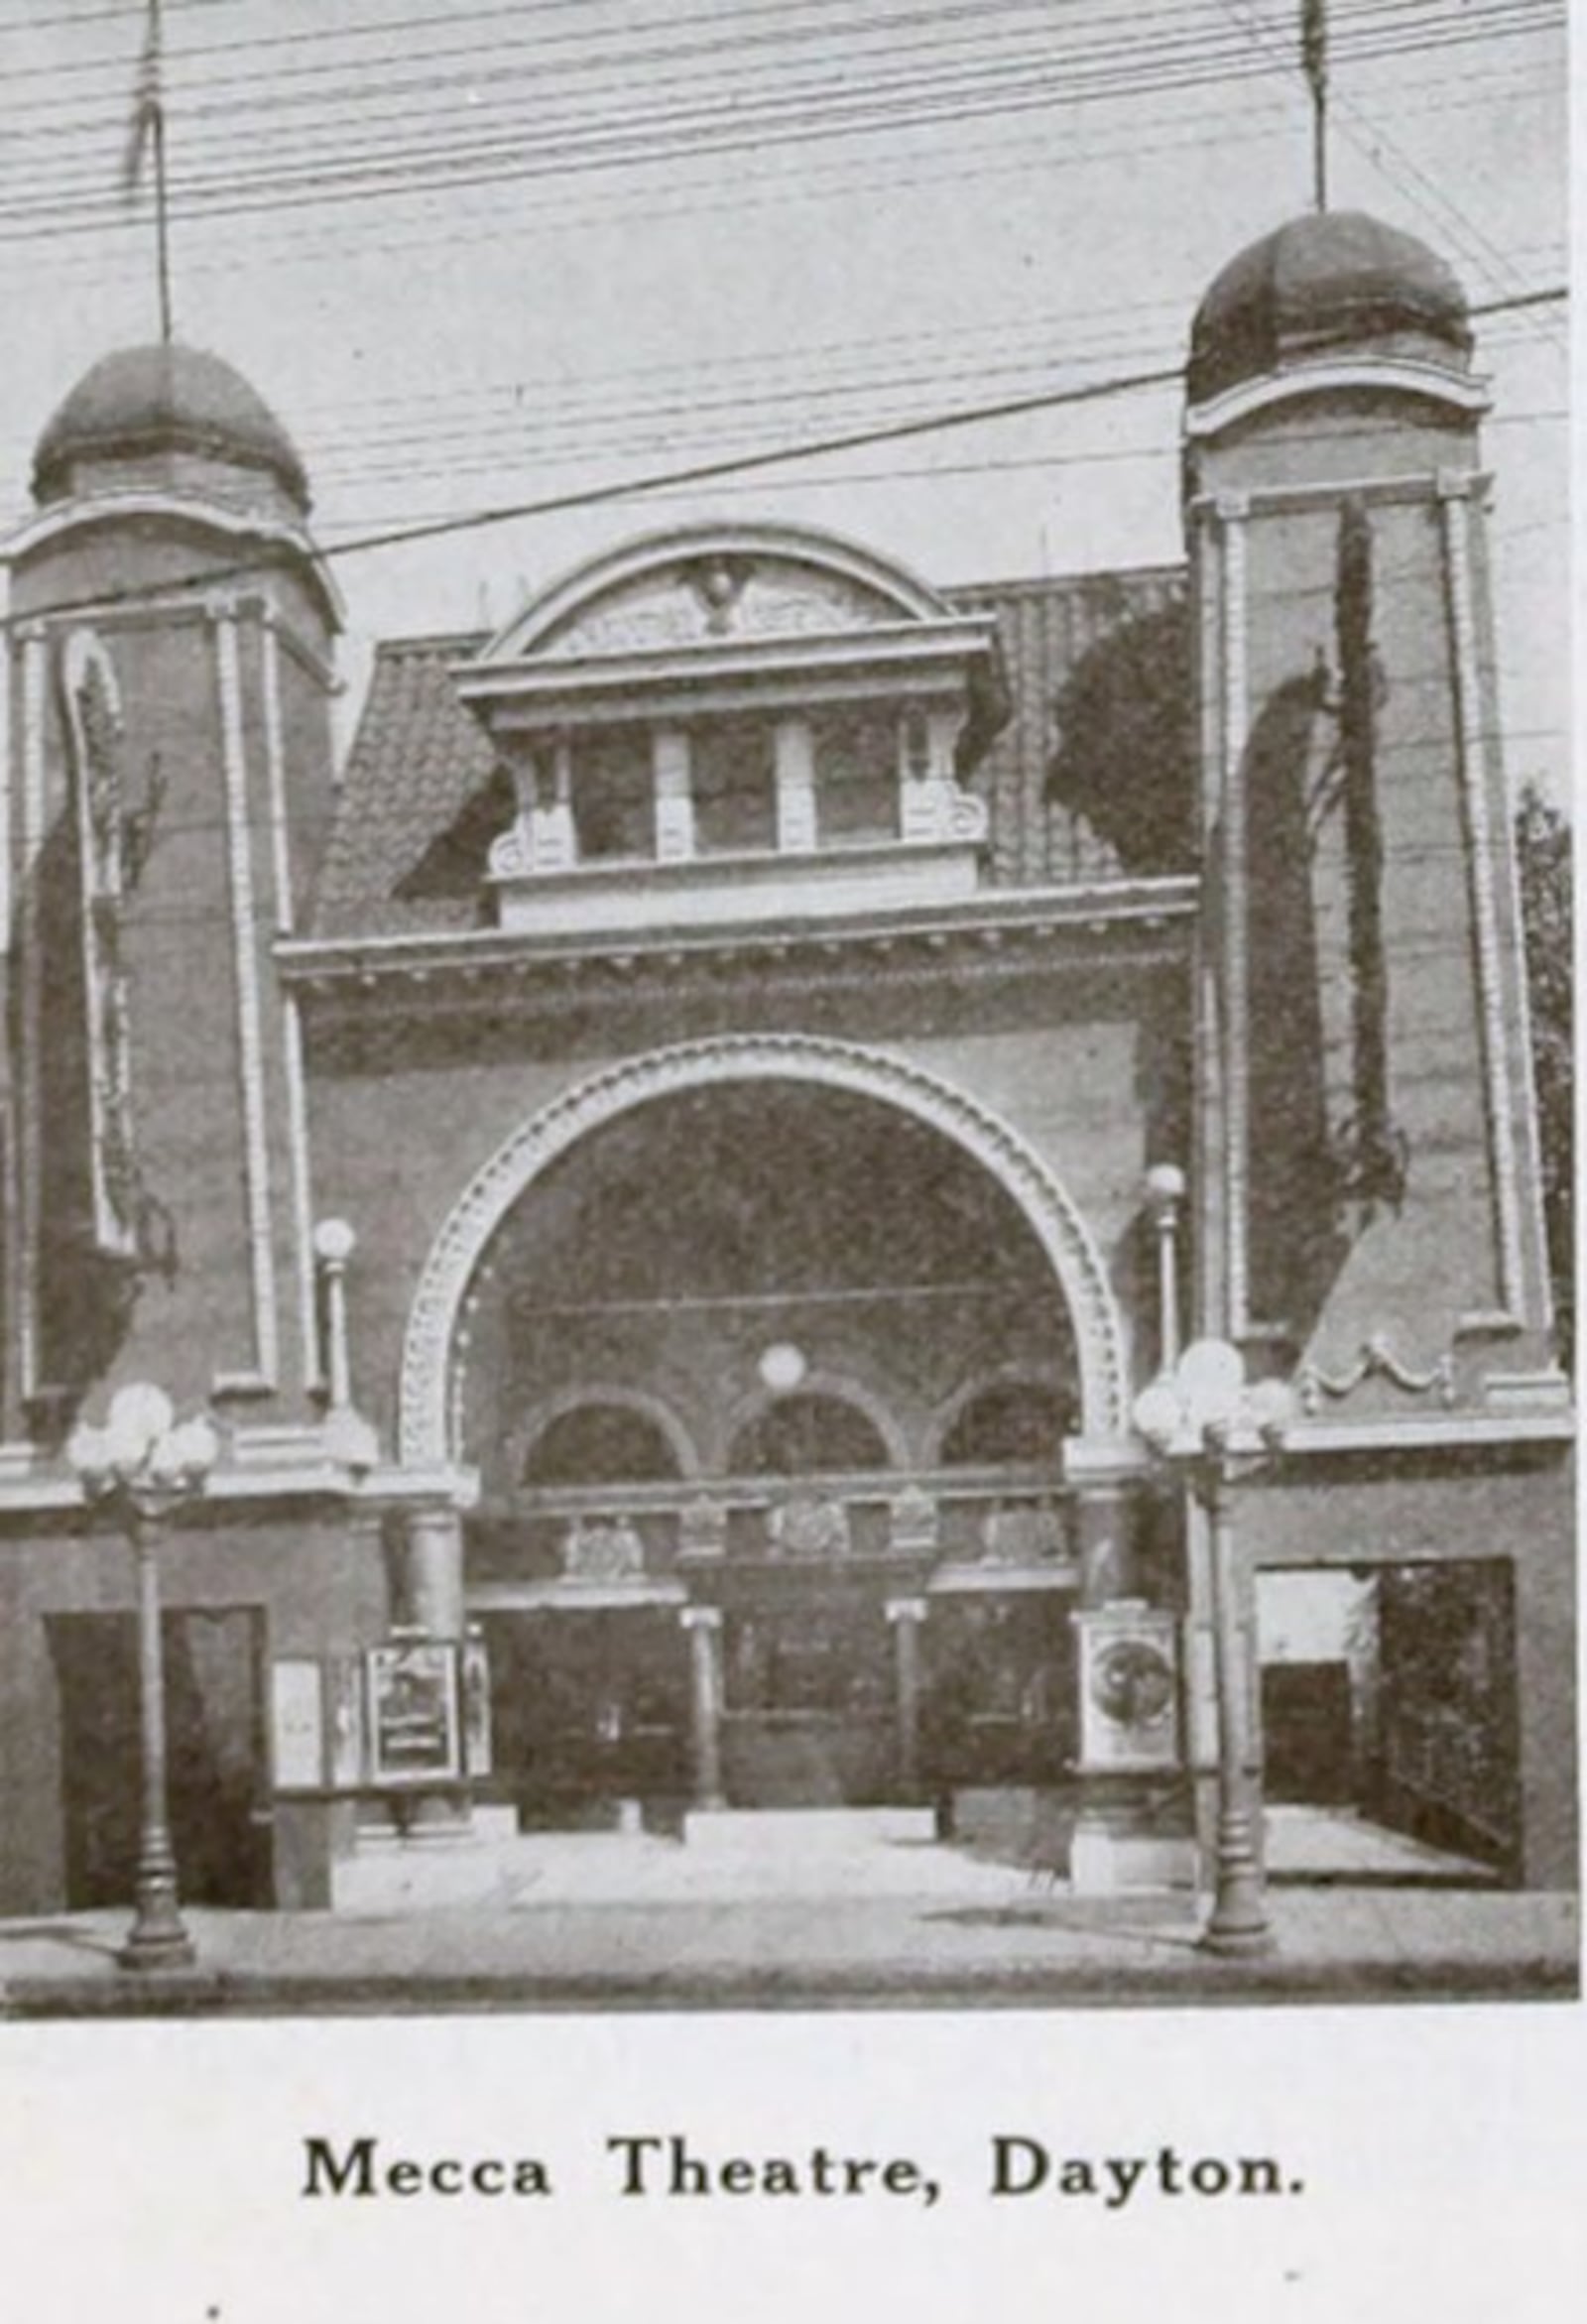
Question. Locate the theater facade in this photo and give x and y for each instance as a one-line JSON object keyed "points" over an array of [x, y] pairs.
{"points": [[674, 1165]]}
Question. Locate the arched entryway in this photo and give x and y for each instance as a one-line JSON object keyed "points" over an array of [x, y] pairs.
{"points": [[710, 1340]]}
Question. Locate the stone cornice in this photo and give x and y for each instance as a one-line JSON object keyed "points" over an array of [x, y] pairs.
{"points": [[998, 932], [276, 537], [1345, 376], [1102, 1465]]}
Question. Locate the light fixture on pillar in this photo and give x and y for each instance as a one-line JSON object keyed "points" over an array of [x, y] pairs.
{"points": [[349, 1440], [1165, 1191], [1211, 1429], [334, 1245], [144, 1465]]}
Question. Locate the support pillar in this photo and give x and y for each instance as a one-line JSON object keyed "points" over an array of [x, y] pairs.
{"points": [[430, 1571], [671, 778], [429, 1601], [703, 1624], [1238, 1922], [1105, 1523], [1130, 1823], [906, 1616], [795, 786]]}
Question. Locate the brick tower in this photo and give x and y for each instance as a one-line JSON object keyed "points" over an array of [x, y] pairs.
{"points": [[172, 755], [1368, 1172]]}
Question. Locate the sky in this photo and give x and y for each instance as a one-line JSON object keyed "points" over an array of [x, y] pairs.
{"points": [[478, 255]]}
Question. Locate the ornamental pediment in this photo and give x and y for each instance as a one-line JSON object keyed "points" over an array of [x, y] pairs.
{"points": [[708, 587], [708, 600]]}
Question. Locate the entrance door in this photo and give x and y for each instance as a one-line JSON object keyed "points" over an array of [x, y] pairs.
{"points": [[216, 1749], [589, 1708], [811, 1718]]}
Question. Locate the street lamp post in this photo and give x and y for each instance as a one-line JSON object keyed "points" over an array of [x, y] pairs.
{"points": [[144, 1464], [1211, 1429]]}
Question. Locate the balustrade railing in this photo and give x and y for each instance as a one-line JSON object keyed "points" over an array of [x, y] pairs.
{"points": [[630, 1536]]}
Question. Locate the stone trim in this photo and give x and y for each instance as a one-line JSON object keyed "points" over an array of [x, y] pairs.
{"points": [[111, 508], [261, 1378], [291, 1031], [1233, 514], [1385, 374], [34, 697], [428, 1422], [1471, 772]]}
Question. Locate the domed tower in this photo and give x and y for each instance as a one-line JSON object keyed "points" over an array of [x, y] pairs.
{"points": [[170, 765], [1368, 1174]]}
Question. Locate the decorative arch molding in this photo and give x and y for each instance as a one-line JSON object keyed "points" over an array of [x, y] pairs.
{"points": [[427, 1413], [582, 1396], [893, 592], [1433, 383], [842, 1389], [1045, 1376]]}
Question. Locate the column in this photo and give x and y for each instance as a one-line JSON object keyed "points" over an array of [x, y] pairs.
{"points": [[674, 795], [1132, 1827], [431, 1573], [794, 745], [429, 1599], [703, 1625], [1105, 1523], [905, 1616], [918, 816]]}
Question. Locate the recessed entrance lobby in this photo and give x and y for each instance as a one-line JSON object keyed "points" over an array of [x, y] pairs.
{"points": [[767, 1384]]}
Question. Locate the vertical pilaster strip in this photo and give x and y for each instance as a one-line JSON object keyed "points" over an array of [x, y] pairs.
{"points": [[670, 777], [5, 768], [1454, 492], [35, 690], [795, 747], [250, 1047], [1233, 514], [291, 1031]]}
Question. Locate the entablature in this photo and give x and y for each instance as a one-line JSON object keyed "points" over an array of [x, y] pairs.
{"points": [[1144, 924]]}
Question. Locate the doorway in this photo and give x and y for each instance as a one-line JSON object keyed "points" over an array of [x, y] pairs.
{"points": [[215, 1748]]}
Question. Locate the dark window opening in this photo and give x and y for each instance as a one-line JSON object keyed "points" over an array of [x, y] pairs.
{"points": [[600, 1444], [808, 1435], [733, 777]]}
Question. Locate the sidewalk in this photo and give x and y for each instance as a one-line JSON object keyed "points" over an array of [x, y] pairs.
{"points": [[1028, 1946]]}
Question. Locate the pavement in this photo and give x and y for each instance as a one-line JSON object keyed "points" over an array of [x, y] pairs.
{"points": [[586, 1922]]}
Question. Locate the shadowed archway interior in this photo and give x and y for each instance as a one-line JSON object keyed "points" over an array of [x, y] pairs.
{"points": [[668, 1251]]}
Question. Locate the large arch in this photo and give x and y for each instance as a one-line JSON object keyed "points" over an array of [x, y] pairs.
{"points": [[428, 1417]]}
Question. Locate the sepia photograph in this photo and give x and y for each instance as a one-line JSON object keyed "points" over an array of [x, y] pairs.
{"points": [[786, 1069]]}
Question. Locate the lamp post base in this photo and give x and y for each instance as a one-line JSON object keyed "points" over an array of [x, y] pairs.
{"points": [[158, 1938], [163, 1949], [1236, 1943]]}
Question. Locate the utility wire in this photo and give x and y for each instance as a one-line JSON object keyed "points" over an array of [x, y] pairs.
{"points": [[693, 473]]}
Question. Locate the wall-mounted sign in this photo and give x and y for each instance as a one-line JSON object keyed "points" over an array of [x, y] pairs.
{"points": [[413, 1713], [344, 1722], [1129, 1687], [297, 1726]]}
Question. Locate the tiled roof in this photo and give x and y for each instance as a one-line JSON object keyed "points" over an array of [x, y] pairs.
{"points": [[423, 796]]}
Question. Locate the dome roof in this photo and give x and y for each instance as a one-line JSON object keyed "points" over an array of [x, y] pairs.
{"points": [[1331, 282], [157, 399]]}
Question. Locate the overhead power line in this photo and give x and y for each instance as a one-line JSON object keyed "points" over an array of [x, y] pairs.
{"points": [[719, 124], [696, 472]]}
